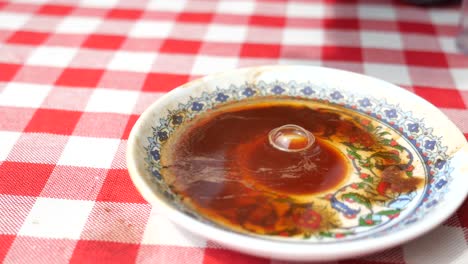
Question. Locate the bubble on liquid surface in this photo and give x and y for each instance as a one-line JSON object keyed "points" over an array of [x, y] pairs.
{"points": [[291, 138]]}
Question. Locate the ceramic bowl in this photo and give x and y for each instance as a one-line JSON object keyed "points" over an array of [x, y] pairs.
{"points": [[434, 147]]}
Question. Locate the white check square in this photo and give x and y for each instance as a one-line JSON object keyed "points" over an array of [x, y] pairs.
{"points": [[308, 10], [444, 17], [102, 3], [303, 36], [377, 12], [209, 64], [89, 152], [162, 5], [132, 61], [396, 74], [160, 231], [447, 44], [7, 141], [146, 29], [300, 62], [384, 40], [78, 25], [236, 7], [12, 21], [112, 101], [24, 95], [52, 56], [226, 33], [460, 77], [56, 218]]}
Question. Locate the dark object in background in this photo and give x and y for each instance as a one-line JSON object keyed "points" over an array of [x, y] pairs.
{"points": [[432, 2]]}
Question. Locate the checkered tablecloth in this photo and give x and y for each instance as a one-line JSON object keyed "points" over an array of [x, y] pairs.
{"points": [[75, 76]]}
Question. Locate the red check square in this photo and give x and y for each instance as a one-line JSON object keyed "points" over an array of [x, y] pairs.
{"points": [[224, 256], [341, 23], [342, 53], [28, 37], [260, 50], [131, 122], [5, 244], [19, 178], [163, 82], [118, 187], [118, 13], [104, 252], [180, 46], [53, 121], [104, 42], [195, 17], [8, 71], [55, 10], [268, 21], [426, 58], [414, 27], [79, 77], [441, 97]]}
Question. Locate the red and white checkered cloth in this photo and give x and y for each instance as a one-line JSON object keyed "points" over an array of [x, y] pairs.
{"points": [[75, 76]]}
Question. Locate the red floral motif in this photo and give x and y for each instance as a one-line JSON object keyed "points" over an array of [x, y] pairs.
{"points": [[365, 122], [410, 168], [382, 187], [350, 216], [307, 219], [393, 215]]}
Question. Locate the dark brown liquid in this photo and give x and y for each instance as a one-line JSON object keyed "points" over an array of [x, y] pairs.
{"points": [[223, 165], [317, 169]]}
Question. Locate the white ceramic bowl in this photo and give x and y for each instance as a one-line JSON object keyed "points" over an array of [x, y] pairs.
{"points": [[429, 135]]}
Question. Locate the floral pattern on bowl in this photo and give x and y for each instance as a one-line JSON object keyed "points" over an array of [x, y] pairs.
{"points": [[354, 202]]}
